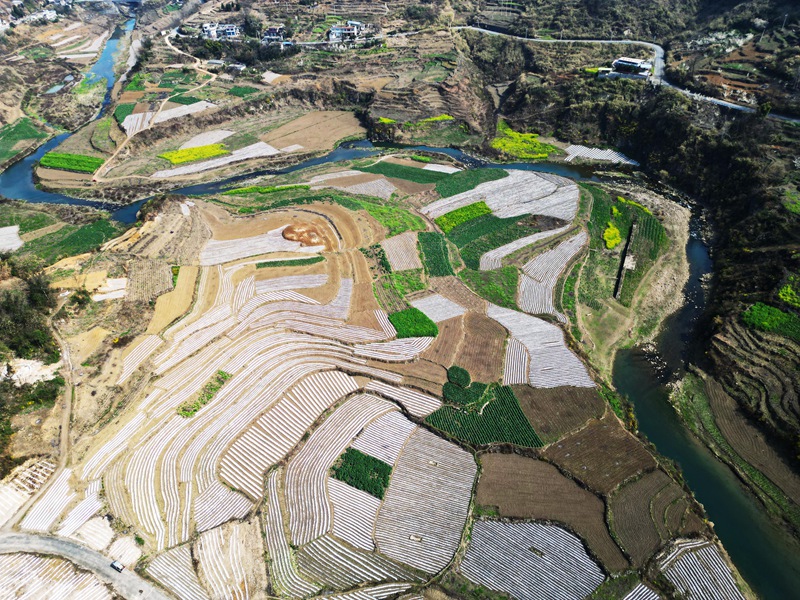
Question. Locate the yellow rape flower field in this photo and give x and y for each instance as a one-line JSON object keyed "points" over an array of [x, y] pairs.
{"points": [[177, 157]]}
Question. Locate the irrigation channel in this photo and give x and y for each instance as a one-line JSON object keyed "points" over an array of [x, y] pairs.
{"points": [[765, 554]]}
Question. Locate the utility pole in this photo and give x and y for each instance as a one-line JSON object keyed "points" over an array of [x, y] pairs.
{"points": [[786, 16]]}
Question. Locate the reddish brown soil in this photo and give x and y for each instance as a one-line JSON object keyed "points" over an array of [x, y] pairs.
{"points": [[444, 348], [482, 351]]}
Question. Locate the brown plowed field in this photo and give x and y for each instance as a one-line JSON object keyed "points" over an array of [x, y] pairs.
{"points": [[648, 512], [452, 289], [482, 351], [424, 373], [533, 489], [443, 350], [602, 454], [555, 412], [749, 442]]}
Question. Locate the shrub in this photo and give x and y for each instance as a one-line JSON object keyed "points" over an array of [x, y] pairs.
{"points": [[177, 157], [403, 172], [458, 376], [434, 254], [189, 409], [77, 163], [363, 472], [461, 215], [788, 293], [420, 158], [464, 181], [412, 322], [612, 236], [622, 200], [386, 121]]}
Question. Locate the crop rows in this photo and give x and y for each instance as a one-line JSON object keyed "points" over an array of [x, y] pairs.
{"points": [[9, 239], [395, 350], [174, 570], [181, 111], [521, 193], [377, 592], [401, 251], [416, 403], [642, 592], [23, 481], [124, 549], [530, 561], [438, 308], [276, 432], [552, 364], [137, 355], [223, 567], [184, 155], [217, 252], [541, 274], [30, 576], [306, 475], [148, 279], [515, 367], [354, 513], [290, 282], [257, 150], [48, 508], [283, 573], [699, 571], [425, 507], [83, 511], [71, 162], [385, 437], [332, 563], [434, 251], [97, 534], [493, 259], [577, 151]]}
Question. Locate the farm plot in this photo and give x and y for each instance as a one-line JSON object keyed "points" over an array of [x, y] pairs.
{"points": [[71, 162], [493, 259], [206, 138], [526, 488], [552, 364], [174, 570], [647, 513], [602, 455], [10, 240], [401, 251], [217, 252], [257, 150], [425, 507], [20, 484], [51, 504], [148, 279], [541, 274], [554, 412], [444, 348], [438, 308], [516, 365], [173, 304], [31, 576], [642, 592], [434, 251], [697, 570], [530, 561], [481, 352], [521, 193]]}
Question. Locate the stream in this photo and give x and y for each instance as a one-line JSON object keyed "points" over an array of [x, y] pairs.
{"points": [[765, 555]]}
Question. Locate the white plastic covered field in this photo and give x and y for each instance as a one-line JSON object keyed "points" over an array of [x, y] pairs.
{"points": [[217, 252], [401, 251], [697, 570], [530, 561], [30, 576], [9, 239]]}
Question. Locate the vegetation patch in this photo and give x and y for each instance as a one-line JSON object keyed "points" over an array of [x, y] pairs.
{"points": [[300, 262], [122, 111], [461, 215], [241, 91], [77, 163], [407, 282], [71, 240], [520, 145], [395, 219], [189, 409], [788, 293], [27, 219], [264, 189], [420, 158], [774, 320], [463, 181], [434, 254], [612, 236], [414, 174], [177, 157], [363, 472], [412, 322], [11, 136], [184, 100], [498, 286], [791, 201], [493, 417]]}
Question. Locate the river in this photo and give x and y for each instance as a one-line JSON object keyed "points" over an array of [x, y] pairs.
{"points": [[766, 556]]}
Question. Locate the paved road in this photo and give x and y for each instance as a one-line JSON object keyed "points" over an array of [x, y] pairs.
{"points": [[127, 584], [658, 68]]}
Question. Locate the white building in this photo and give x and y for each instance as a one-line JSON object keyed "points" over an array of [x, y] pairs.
{"points": [[221, 31]]}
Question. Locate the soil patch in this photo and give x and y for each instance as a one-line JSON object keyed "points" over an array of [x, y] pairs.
{"points": [[557, 411], [315, 131], [483, 348]]}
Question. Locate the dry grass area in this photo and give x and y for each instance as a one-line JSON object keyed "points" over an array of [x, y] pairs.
{"points": [[89, 281], [602, 455], [83, 345], [554, 412], [526, 488], [316, 131], [173, 304]]}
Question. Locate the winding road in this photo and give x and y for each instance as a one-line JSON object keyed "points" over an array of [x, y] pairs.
{"points": [[127, 584]]}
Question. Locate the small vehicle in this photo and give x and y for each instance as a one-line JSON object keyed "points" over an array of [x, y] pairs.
{"points": [[117, 566]]}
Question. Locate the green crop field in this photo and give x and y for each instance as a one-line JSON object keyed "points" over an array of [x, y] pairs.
{"points": [[27, 219], [177, 157], [363, 472], [122, 111], [461, 215], [241, 91], [494, 417], [464, 181], [19, 131], [190, 408], [412, 322], [185, 100], [300, 262], [403, 172], [774, 320], [394, 218], [434, 254], [407, 282], [71, 240], [498, 286], [264, 189], [77, 163]]}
